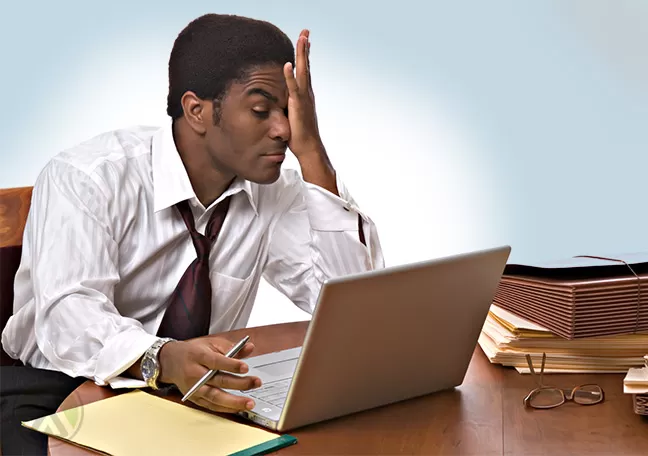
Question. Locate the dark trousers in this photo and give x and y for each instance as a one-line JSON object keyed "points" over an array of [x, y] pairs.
{"points": [[27, 393]]}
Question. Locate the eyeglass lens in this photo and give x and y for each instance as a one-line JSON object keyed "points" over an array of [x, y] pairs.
{"points": [[588, 394], [543, 398]]}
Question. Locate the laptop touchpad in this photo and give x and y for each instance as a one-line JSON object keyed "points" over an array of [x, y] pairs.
{"points": [[277, 370]]}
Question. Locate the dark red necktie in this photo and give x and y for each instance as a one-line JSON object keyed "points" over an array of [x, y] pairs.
{"points": [[188, 313]]}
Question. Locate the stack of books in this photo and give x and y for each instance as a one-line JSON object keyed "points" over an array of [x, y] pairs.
{"points": [[636, 383], [506, 339]]}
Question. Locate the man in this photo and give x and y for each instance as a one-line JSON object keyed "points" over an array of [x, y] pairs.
{"points": [[131, 231]]}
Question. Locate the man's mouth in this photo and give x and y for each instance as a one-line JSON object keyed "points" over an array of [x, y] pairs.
{"points": [[277, 156]]}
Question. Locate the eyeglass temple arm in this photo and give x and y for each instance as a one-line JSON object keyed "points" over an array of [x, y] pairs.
{"points": [[533, 373]]}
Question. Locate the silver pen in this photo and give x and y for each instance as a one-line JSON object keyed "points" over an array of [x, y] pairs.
{"points": [[208, 376]]}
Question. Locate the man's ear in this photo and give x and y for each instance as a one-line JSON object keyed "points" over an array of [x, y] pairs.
{"points": [[197, 112]]}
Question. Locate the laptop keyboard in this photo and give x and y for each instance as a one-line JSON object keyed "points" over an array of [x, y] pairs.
{"points": [[273, 393]]}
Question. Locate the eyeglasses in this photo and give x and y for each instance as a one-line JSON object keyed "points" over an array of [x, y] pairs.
{"points": [[545, 397]]}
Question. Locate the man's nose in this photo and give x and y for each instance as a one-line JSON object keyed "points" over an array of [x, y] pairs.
{"points": [[280, 129]]}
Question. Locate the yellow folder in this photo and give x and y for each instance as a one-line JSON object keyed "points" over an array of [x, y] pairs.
{"points": [[137, 423]]}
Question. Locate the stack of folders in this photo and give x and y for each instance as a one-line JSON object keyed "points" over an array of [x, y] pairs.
{"points": [[507, 338], [636, 383], [581, 297]]}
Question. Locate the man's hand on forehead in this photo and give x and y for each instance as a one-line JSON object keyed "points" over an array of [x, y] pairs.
{"points": [[305, 138]]}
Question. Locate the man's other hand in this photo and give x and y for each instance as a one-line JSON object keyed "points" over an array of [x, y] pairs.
{"points": [[183, 363]]}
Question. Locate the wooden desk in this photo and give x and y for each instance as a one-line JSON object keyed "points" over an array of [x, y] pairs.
{"points": [[484, 416]]}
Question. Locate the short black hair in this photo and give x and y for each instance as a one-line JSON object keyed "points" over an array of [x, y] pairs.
{"points": [[215, 50]]}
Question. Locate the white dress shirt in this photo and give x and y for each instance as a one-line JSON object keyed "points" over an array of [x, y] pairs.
{"points": [[104, 248]]}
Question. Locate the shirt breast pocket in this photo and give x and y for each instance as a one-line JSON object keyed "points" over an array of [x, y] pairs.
{"points": [[235, 278], [232, 301]]}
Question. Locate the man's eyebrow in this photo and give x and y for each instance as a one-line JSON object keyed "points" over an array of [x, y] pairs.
{"points": [[258, 91]]}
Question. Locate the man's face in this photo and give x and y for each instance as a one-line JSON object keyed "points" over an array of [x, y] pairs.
{"points": [[250, 137]]}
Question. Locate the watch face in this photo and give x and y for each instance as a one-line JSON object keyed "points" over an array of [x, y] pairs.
{"points": [[148, 368]]}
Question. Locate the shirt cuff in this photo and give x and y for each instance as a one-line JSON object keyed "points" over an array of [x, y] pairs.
{"points": [[126, 348], [329, 212], [125, 382]]}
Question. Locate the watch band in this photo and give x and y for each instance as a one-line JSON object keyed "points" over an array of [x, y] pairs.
{"points": [[150, 365]]}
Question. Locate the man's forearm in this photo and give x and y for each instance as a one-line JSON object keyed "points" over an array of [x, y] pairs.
{"points": [[317, 169]]}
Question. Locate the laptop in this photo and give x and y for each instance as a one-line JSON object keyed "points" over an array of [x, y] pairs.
{"points": [[379, 337]]}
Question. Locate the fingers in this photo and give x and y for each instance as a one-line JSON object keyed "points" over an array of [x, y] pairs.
{"points": [[213, 407], [291, 83], [233, 382], [301, 63], [308, 65], [246, 350], [221, 401], [223, 345], [208, 353], [299, 79], [303, 48], [213, 359]]}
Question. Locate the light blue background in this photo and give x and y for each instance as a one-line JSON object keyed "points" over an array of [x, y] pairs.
{"points": [[513, 122]]}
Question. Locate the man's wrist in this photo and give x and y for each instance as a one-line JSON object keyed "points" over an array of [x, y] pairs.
{"points": [[317, 169], [150, 368], [135, 371], [314, 155], [165, 360]]}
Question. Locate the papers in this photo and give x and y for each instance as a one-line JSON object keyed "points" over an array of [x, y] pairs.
{"points": [[636, 383], [506, 338], [137, 423]]}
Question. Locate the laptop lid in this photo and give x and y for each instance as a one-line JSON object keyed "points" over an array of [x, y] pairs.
{"points": [[387, 335]]}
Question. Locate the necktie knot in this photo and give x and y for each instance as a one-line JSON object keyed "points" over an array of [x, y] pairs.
{"points": [[202, 243]]}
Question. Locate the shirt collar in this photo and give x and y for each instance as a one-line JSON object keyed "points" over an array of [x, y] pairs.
{"points": [[171, 182]]}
